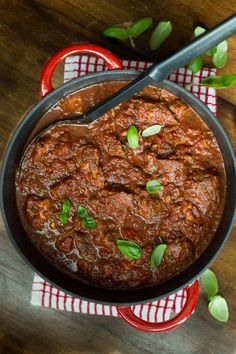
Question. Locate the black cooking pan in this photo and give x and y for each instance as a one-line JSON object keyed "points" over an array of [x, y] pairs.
{"points": [[13, 155]]}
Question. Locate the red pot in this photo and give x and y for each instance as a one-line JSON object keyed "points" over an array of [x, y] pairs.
{"points": [[188, 278]]}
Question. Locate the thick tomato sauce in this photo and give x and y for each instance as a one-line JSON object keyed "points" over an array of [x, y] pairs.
{"points": [[95, 167]]}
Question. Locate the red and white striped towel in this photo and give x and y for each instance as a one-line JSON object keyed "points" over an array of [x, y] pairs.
{"points": [[46, 295]]}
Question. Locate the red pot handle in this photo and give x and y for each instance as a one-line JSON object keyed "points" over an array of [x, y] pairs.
{"points": [[188, 308], [46, 77]]}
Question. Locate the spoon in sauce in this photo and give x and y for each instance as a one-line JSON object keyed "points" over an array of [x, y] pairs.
{"points": [[158, 71]]}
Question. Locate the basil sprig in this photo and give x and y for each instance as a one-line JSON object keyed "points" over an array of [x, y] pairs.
{"points": [[157, 255], [129, 249], [159, 35], [88, 221], [217, 306], [153, 186], [153, 129], [131, 32], [219, 82], [132, 137], [65, 208]]}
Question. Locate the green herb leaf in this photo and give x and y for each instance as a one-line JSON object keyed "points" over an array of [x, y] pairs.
{"points": [[129, 249], [66, 205], [219, 82], [81, 211], [153, 186], [63, 217], [157, 255], [200, 30], [161, 32], [89, 222], [195, 65], [154, 129], [211, 52], [219, 309], [209, 281], [116, 32], [132, 137], [219, 58], [140, 26]]}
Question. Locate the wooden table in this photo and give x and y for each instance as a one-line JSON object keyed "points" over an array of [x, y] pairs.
{"points": [[30, 31]]}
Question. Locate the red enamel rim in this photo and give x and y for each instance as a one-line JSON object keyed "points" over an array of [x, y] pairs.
{"points": [[188, 308], [46, 77]]}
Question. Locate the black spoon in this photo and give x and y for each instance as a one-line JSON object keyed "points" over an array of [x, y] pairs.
{"points": [[158, 72]]}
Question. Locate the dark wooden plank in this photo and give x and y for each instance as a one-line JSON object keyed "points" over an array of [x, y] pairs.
{"points": [[30, 32]]}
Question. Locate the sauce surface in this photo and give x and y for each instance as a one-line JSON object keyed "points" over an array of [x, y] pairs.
{"points": [[95, 167]]}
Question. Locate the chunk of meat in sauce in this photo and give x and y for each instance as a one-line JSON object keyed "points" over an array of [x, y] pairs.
{"points": [[41, 149], [112, 205], [171, 171], [143, 114], [64, 244], [145, 205], [179, 253], [120, 171], [182, 112], [66, 187], [184, 222], [38, 211], [112, 146], [88, 164], [203, 194]]}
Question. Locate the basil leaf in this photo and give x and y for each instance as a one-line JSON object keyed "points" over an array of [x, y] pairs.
{"points": [[209, 281], [200, 30], [161, 32], [219, 82], [219, 309], [140, 26], [81, 211], [116, 32], [154, 129], [63, 217], [66, 205], [129, 249], [195, 65], [157, 255], [219, 58], [211, 52], [132, 137], [89, 222], [153, 186]]}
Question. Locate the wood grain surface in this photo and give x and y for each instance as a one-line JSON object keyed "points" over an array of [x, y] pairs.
{"points": [[31, 31]]}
